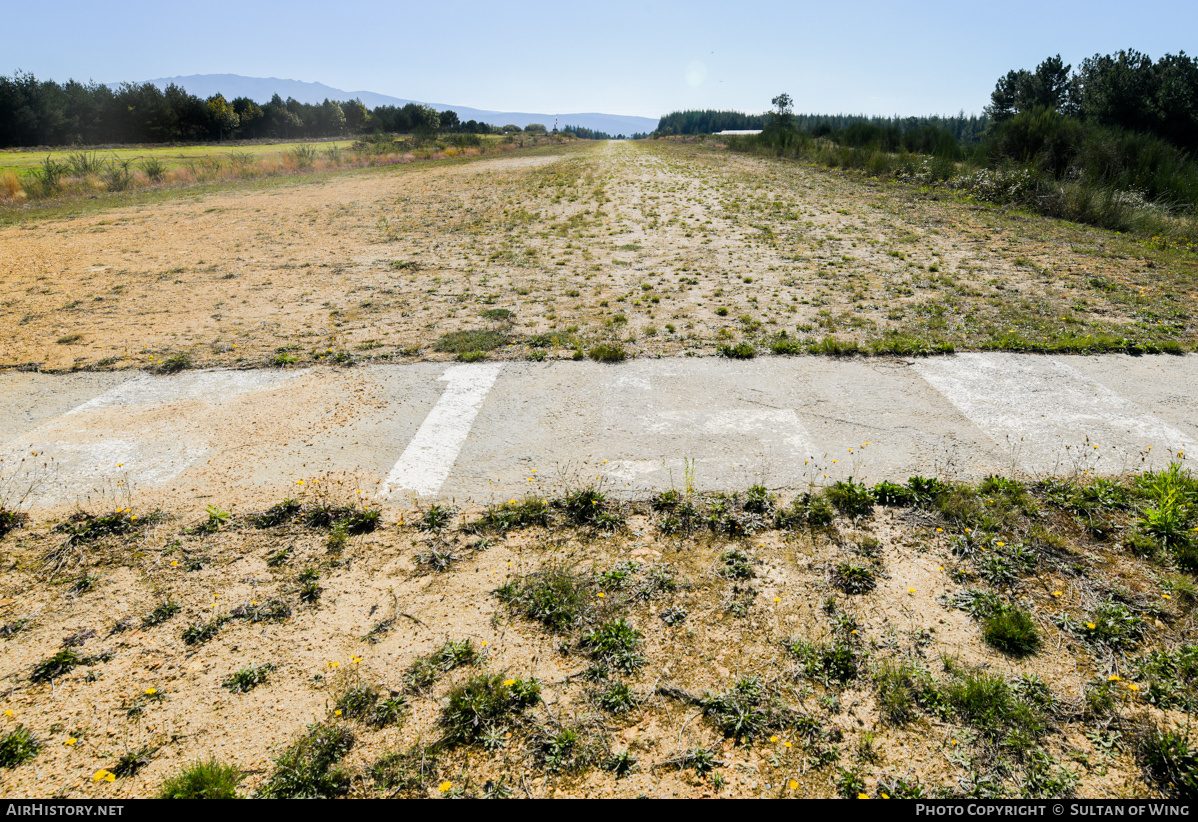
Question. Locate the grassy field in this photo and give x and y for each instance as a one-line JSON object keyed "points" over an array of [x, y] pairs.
{"points": [[926, 639], [582, 249], [23, 161]]}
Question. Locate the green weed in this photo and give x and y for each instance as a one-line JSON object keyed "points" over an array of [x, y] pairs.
{"points": [[202, 780]]}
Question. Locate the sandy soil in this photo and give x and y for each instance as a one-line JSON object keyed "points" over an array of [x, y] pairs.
{"points": [[667, 248], [87, 719]]}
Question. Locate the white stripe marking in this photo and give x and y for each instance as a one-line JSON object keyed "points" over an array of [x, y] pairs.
{"points": [[430, 456], [1043, 402]]}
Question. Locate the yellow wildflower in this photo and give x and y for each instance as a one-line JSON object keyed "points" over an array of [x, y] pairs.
{"points": [[70, 741], [445, 786], [151, 691], [507, 683]]}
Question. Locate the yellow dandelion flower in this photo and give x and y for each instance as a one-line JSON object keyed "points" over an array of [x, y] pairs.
{"points": [[884, 796], [100, 774], [1114, 678], [174, 562], [794, 786], [787, 744], [1058, 593], [1166, 596], [910, 590], [1131, 686], [507, 683], [8, 712], [151, 691], [1001, 544], [939, 530], [862, 796], [445, 786], [70, 741], [853, 631], [601, 595], [336, 713], [777, 599], [1091, 625]]}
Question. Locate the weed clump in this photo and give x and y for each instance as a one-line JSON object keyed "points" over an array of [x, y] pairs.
{"points": [[748, 711], [734, 564], [1011, 630], [55, 666], [507, 516], [616, 644], [1170, 761], [853, 499], [278, 514], [556, 597], [160, 614], [588, 507], [202, 780], [902, 687], [18, 746], [247, 679], [426, 670], [853, 579], [468, 342], [483, 703], [607, 352], [306, 769], [11, 520]]}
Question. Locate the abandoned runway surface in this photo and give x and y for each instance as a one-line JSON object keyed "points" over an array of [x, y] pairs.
{"points": [[480, 432]]}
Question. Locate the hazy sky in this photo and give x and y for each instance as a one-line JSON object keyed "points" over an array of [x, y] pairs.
{"points": [[646, 58]]}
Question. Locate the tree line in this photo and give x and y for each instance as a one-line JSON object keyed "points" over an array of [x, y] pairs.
{"points": [[966, 129], [44, 113], [1125, 90]]}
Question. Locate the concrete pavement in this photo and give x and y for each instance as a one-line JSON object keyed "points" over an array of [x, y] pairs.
{"points": [[475, 433]]}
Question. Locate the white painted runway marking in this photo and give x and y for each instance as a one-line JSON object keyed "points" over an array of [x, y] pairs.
{"points": [[1044, 403], [207, 386], [429, 457]]}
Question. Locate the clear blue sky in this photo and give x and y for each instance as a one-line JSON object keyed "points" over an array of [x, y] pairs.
{"points": [[646, 58]]}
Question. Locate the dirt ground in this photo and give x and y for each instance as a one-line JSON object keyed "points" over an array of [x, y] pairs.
{"points": [[666, 248], [142, 691]]}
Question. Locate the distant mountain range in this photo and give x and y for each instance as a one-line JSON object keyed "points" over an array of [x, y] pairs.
{"points": [[261, 89]]}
